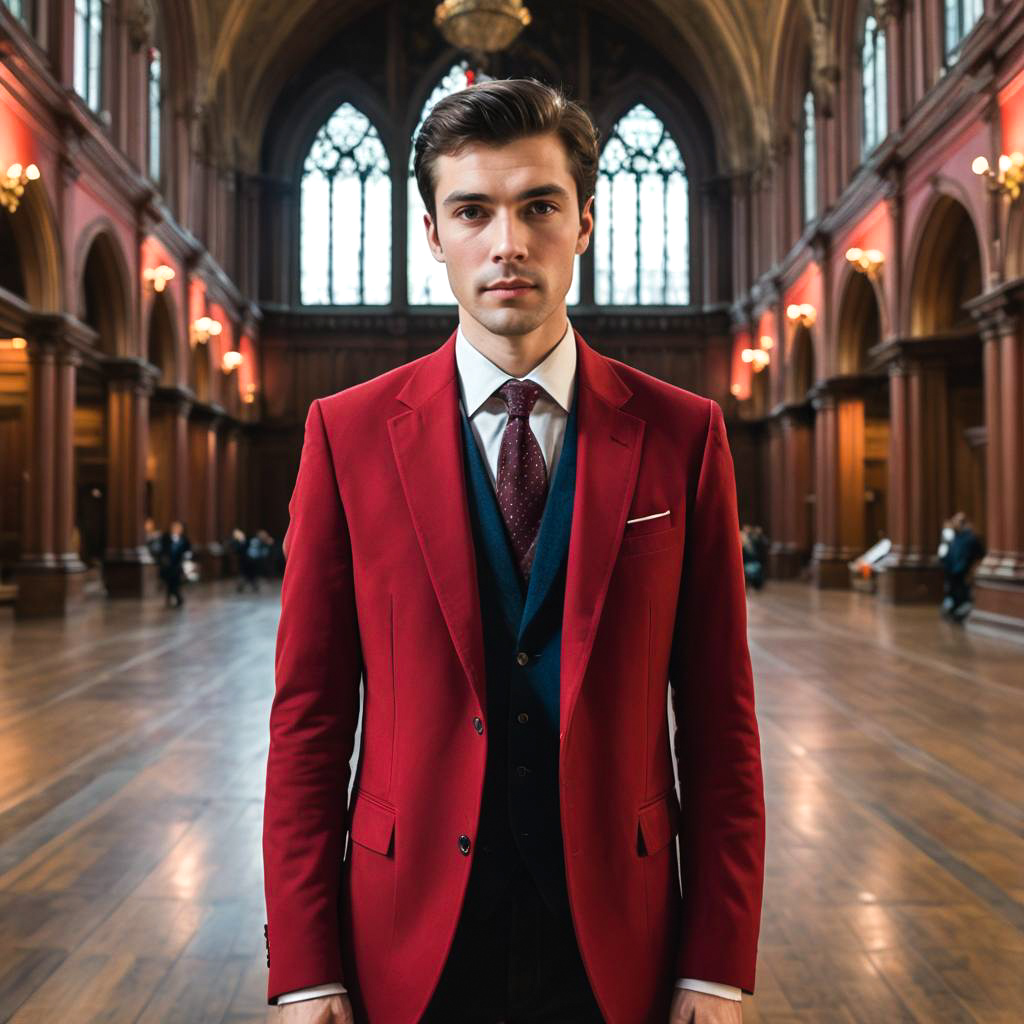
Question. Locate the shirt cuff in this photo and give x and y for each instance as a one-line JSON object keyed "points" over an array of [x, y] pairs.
{"points": [[712, 988], [316, 992]]}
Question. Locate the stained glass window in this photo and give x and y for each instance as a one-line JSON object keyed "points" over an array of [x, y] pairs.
{"points": [[89, 51], [641, 253], [428, 279], [873, 85], [345, 250], [960, 17], [810, 160], [155, 97]]}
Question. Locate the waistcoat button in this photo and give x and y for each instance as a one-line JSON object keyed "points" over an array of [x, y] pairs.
{"points": [[522, 657], [522, 717], [478, 725], [464, 843]]}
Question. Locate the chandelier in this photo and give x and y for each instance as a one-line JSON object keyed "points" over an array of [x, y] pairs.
{"points": [[481, 26]]}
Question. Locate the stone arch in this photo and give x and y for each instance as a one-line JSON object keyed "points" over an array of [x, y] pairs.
{"points": [[946, 267], [162, 338], [800, 366], [859, 323], [29, 236], [104, 296]]}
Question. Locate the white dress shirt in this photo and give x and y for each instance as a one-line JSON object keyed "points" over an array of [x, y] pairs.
{"points": [[479, 378]]}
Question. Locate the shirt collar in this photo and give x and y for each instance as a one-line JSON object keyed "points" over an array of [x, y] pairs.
{"points": [[479, 378]]}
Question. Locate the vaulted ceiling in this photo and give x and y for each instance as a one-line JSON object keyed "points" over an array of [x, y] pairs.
{"points": [[729, 50]]}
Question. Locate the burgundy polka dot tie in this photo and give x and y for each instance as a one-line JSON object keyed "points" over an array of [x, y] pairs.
{"points": [[522, 474]]}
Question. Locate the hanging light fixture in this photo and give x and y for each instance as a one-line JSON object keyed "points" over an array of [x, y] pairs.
{"points": [[1010, 177], [12, 185], [481, 26], [759, 357], [205, 328], [231, 360], [158, 276], [866, 261], [803, 313]]}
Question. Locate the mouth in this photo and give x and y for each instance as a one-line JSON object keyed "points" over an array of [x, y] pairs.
{"points": [[510, 291]]}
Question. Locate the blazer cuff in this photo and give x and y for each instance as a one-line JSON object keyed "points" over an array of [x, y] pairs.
{"points": [[712, 988]]}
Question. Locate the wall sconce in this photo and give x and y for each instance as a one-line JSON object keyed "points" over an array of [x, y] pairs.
{"points": [[204, 329], [12, 187], [159, 276], [1010, 176], [866, 261], [759, 357], [16, 343], [250, 393], [230, 360], [804, 313]]}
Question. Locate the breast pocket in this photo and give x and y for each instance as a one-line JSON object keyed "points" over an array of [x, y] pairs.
{"points": [[650, 532]]}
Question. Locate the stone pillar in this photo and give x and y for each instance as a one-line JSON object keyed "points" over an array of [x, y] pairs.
{"points": [[839, 479], [999, 579], [920, 491], [792, 478], [169, 440], [50, 575], [128, 567], [203, 525]]}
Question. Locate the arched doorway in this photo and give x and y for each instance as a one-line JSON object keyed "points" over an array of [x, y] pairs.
{"points": [[937, 403]]}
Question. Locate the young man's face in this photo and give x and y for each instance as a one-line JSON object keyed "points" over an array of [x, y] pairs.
{"points": [[487, 230]]}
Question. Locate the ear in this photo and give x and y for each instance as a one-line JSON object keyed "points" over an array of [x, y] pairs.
{"points": [[436, 249], [586, 226]]}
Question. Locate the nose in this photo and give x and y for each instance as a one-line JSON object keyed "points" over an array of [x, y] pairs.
{"points": [[509, 240]]}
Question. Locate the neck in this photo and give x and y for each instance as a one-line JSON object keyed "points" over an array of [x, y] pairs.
{"points": [[516, 354]]}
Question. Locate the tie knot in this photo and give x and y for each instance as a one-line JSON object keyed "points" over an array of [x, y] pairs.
{"points": [[520, 396]]}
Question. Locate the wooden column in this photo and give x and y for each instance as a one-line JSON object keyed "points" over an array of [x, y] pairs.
{"points": [[999, 591], [839, 479], [792, 478], [50, 574], [920, 483], [128, 568], [202, 523]]}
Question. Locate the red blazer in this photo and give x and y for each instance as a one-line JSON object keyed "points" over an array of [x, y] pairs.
{"points": [[380, 583]]}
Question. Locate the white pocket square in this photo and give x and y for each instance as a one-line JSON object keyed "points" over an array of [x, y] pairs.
{"points": [[656, 515]]}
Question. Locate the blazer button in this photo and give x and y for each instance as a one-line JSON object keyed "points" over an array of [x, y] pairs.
{"points": [[522, 717], [478, 725], [522, 657], [522, 770], [464, 843]]}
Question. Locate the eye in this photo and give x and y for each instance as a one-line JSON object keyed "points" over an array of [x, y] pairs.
{"points": [[544, 202], [458, 213]]}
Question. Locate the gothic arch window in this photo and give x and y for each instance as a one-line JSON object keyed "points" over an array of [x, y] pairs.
{"points": [[960, 16], [641, 253], [89, 24], [155, 103], [345, 219], [428, 279], [810, 159], [873, 84]]}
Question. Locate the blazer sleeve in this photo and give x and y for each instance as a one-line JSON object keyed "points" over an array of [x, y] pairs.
{"points": [[313, 717], [716, 739]]}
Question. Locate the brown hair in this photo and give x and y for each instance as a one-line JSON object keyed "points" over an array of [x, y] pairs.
{"points": [[499, 111]]}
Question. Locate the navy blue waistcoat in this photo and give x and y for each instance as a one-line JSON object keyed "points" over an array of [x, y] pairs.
{"points": [[520, 825]]}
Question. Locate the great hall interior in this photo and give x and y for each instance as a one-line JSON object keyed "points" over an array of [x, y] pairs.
{"points": [[209, 220]]}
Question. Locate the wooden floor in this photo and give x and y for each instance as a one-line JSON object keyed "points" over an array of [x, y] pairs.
{"points": [[132, 755]]}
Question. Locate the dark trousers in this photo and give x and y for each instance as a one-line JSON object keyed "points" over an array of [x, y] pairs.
{"points": [[519, 964]]}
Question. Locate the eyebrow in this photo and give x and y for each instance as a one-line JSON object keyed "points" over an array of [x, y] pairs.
{"points": [[551, 189]]}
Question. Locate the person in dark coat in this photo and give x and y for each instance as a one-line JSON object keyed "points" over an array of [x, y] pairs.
{"points": [[960, 551], [174, 546], [247, 552], [753, 555]]}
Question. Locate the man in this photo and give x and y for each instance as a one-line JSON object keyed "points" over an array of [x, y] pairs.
{"points": [[174, 548], [518, 544]]}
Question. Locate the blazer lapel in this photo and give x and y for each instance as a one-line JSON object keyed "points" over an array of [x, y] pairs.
{"points": [[428, 450], [609, 443]]}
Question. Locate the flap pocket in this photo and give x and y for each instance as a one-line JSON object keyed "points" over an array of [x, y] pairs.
{"points": [[372, 823], [658, 823]]}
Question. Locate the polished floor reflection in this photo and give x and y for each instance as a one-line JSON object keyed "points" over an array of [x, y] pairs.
{"points": [[132, 754]]}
